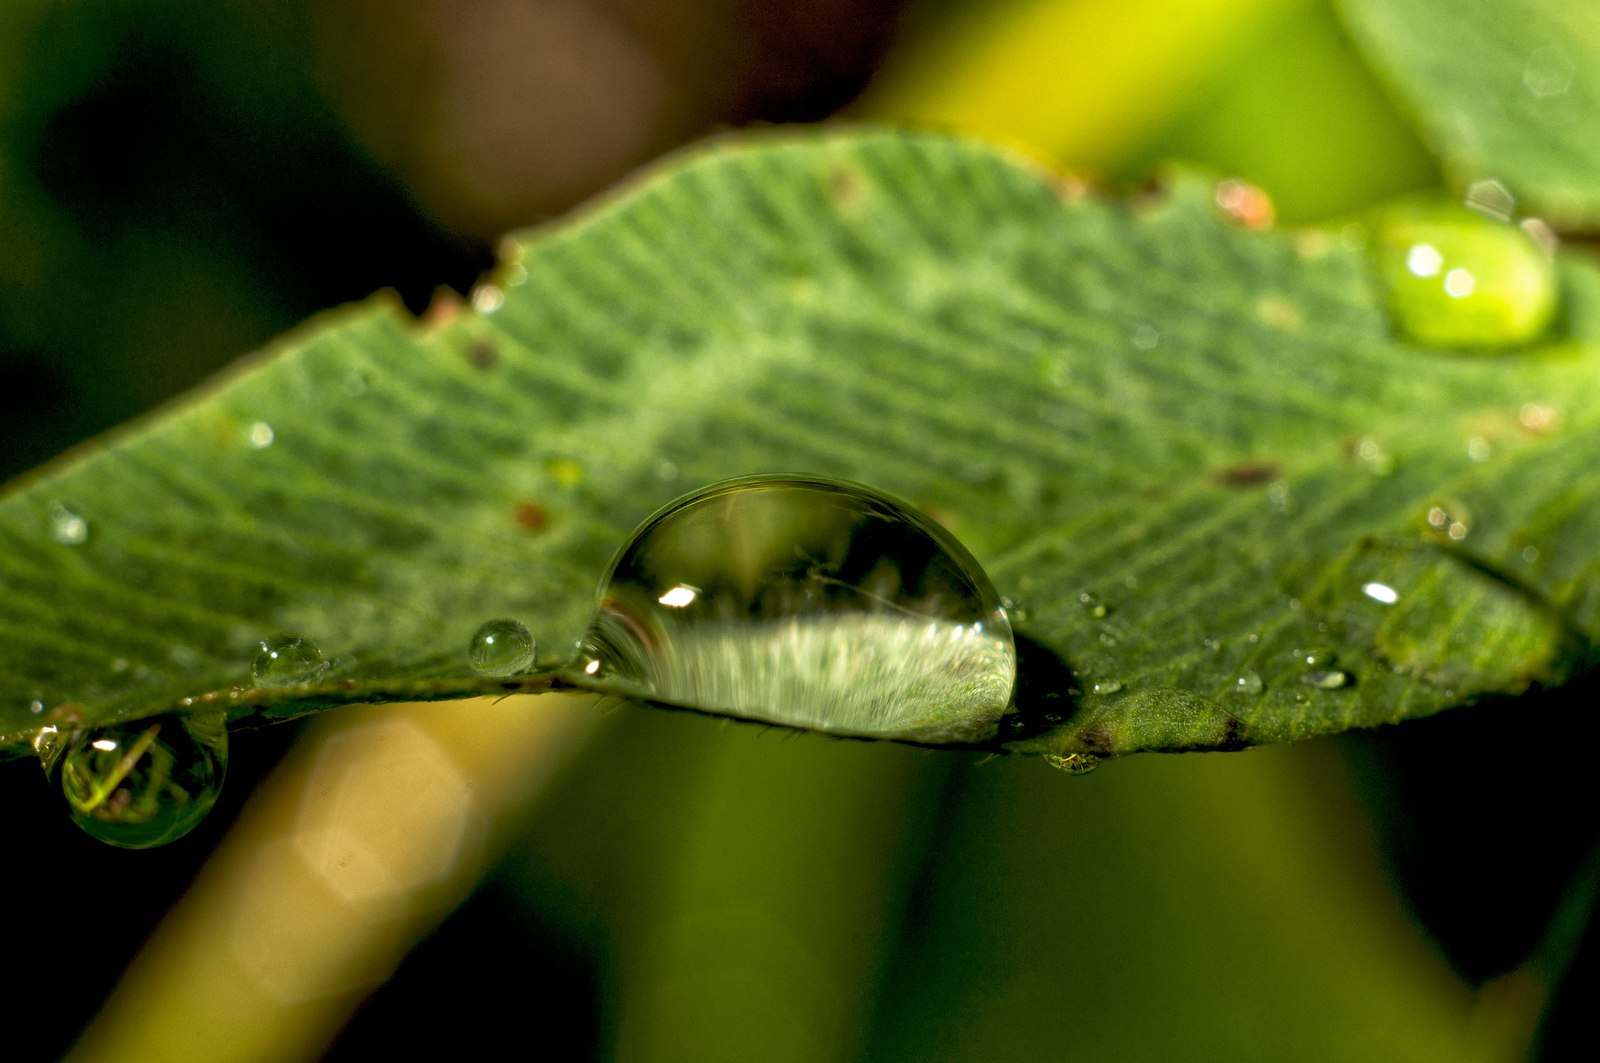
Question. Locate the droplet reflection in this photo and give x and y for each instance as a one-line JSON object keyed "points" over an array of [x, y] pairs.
{"points": [[143, 783]]}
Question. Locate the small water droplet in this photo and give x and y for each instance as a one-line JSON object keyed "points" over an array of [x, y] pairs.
{"points": [[36, 706], [1491, 199], [1281, 498], [142, 783], [1093, 606], [1073, 763], [487, 298], [1144, 336], [1248, 684], [261, 435], [1537, 418], [1547, 72], [816, 603], [1372, 455], [287, 660], [1479, 449], [1325, 679], [1317, 657], [66, 527], [1107, 686], [501, 647]]}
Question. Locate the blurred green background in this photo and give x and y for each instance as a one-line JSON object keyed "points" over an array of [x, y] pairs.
{"points": [[179, 182]]}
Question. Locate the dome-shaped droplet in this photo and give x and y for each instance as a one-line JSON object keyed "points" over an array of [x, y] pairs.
{"points": [[808, 602], [501, 647], [143, 783], [286, 660]]}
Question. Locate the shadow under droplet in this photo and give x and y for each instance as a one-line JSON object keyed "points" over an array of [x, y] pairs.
{"points": [[1044, 697]]}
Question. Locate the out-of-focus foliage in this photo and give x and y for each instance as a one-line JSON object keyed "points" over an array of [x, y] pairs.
{"points": [[1505, 89]]}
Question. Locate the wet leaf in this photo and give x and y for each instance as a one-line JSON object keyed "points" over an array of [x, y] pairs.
{"points": [[1193, 455], [1506, 90]]}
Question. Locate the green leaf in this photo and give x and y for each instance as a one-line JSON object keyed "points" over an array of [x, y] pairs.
{"points": [[1505, 89], [1182, 448]]}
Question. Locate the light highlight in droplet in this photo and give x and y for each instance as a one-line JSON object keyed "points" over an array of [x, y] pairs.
{"points": [[1380, 592], [679, 596]]}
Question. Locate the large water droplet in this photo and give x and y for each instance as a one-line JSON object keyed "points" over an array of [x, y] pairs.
{"points": [[143, 783], [1457, 278], [808, 602], [287, 660], [501, 647]]}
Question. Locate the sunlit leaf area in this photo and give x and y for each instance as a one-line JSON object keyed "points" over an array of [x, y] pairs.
{"points": [[862, 530]]}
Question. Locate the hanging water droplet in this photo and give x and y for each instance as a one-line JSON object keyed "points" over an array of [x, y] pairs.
{"points": [[1073, 763], [1249, 684], [1107, 686], [287, 660], [1458, 278], [808, 602], [501, 647], [142, 783], [1325, 679]]}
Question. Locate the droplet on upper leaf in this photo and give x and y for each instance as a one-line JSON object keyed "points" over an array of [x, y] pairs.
{"points": [[1457, 278], [287, 660], [142, 783], [501, 647], [808, 602]]}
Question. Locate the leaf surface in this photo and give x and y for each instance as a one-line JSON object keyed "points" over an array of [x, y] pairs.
{"points": [[1188, 453]]}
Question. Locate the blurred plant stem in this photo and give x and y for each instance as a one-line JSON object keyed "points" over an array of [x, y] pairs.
{"points": [[1084, 82]]}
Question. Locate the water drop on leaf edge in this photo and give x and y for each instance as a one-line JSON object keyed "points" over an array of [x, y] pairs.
{"points": [[501, 647]]}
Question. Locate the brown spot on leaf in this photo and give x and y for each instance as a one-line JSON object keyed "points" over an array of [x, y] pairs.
{"points": [[1249, 473], [1245, 204], [1234, 735], [443, 309], [845, 188], [68, 714], [1097, 740], [482, 354], [531, 516]]}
